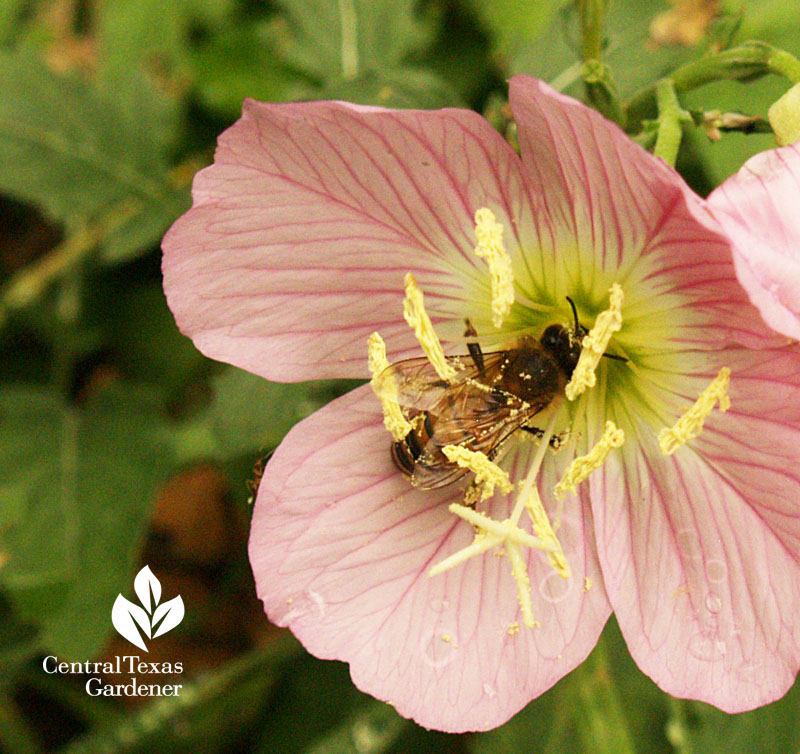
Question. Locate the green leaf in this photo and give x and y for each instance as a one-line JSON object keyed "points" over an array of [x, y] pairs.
{"points": [[400, 88], [244, 62], [206, 715], [697, 728], [375, 727], [606, 705], [344, 38], [516, 24], [249, 413], [77, 494], [152, 35], [10, 12], [79, 154], [315, 698]]}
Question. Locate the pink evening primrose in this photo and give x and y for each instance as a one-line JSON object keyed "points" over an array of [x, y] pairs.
{"points": [[759, 208], [682, 518]]}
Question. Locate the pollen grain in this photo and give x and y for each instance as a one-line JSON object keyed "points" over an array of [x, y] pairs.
{"points": [[416, 316], [490, 247], [385, 388], [595, 343], [691, 423], [582, 466]]}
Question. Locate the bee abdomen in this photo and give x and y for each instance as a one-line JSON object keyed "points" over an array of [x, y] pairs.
{"points": [[407, 452]]}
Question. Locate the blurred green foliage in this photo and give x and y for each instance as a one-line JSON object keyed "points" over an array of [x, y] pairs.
{"points": [[107, 109]]}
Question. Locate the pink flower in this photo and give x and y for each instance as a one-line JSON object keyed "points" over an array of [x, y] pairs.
{"points": [[296, 250], [759, 208]]}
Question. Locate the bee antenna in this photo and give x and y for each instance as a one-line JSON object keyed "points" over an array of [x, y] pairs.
{"points": [[575, 314]]}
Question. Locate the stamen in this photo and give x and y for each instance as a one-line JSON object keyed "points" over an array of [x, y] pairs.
{"points": [[543, 530], [520, 573], [487, 474], [595, 344], [385, 388], [505, 529], [416, 316], [490, 247], [582, 466], [492, 533], [690, 424]]}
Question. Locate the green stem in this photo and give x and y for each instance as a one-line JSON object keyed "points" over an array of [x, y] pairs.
{"points": [[592, 14], [670, 115], [678, 727], [601, 92], [785, 64], [746, 62], [605, 728]]}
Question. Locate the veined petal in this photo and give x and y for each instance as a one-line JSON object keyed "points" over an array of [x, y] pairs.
{"points": [[699, 549], [758, 208], [302, 231], [608, 211], [341, 554]]}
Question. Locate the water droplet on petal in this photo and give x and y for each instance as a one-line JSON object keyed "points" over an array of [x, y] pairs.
{"points": [[555, 588], [713, 602], [438, 651], [490, 691], [701, 647]]}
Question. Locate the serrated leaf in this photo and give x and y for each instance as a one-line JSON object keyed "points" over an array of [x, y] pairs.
{"points": [[83, 481], [344, 38], [85, 155]]}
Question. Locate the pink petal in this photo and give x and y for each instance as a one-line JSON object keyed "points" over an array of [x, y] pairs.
{"points": [[304, 227], [699, 550], [758, 208], [341, 545], [607, 210]]}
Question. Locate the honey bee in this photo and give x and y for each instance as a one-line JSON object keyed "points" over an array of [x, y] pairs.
{"points": [[493, 395]]}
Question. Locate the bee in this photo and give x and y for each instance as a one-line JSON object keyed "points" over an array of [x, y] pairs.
{"points": [[493, 395]]}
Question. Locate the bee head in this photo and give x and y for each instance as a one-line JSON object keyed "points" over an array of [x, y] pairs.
{"points": [[564, 345]]}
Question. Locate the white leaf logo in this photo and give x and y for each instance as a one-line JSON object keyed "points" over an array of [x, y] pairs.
{"points": [[153, 619]]}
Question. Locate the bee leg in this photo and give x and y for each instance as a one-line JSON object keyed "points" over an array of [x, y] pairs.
{"points": [[473, 346], [556, 441]]}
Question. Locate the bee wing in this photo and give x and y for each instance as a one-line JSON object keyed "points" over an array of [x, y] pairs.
{"points": [[481, 424], [419, 387]]}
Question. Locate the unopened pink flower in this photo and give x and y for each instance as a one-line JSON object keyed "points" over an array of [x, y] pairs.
{"points": [[295, 252], [759, 208]]}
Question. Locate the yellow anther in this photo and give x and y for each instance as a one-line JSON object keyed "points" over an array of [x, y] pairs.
{"points": [[595, 343], [488, 474], [385, 388], [690, 424], [416, 316], [519, 571], [490, 247], [544, 530], [582, 466]]}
